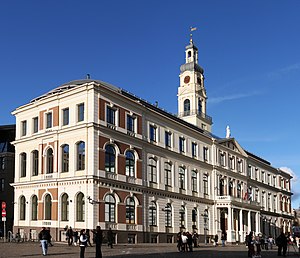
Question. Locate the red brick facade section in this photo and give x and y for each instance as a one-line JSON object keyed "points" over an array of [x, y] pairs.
{"points": [[55, 112], [121, 164], [139, 215], [101, 212], [122, 118], [41, 119], [102, 109], [139, 169], [139, 124], [121, 213]]}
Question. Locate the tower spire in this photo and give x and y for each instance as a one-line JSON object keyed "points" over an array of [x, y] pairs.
{"points": [[191, 33]]}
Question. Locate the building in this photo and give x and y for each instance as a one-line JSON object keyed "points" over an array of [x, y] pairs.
{"points": [[89, 153], [7, 169]]}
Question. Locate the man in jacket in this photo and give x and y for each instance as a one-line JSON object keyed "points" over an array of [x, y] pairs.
{"points": [[44, 236]]}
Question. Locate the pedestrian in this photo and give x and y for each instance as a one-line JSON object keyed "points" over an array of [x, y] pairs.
{"points": [[184, 239], [82, 242], [189, 241], [281, 242], [179, 241], [70, 235], [43, 237], [223, 238], [88, 236], [216, 239], [250, 244], [75, 237], [50, 237], [98, 237], [110, 238]]}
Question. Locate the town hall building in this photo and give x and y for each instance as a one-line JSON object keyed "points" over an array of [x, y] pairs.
{"points": [[90, 154]]}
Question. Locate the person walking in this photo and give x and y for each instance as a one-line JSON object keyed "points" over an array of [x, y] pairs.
{"points": [[223, 238], [110, 238], [75, 237], [98, 241], [216, 239], [70, 234], [88, 236], [50, 237], [43, 237], [82, 242], [281, 242]]}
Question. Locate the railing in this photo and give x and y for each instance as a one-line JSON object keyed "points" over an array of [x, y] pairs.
{"points": [[195, 112]]}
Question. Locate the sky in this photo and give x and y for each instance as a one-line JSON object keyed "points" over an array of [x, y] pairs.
{"points": [[250, 52]]}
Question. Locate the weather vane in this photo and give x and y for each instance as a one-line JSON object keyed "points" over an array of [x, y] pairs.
{"points": [[191, 34]]}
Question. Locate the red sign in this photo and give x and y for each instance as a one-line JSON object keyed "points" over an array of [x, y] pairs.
{"points": [[3, 213], [3, 205]]}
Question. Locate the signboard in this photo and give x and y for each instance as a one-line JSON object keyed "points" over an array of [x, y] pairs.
{"points": [[3, 218], [3, 205], [3, 213]]}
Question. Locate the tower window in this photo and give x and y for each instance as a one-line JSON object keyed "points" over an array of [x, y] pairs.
{"points": [[189, 54], [187, 107]]}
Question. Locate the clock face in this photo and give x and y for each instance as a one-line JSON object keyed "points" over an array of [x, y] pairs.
{"points": [[186, 79]]}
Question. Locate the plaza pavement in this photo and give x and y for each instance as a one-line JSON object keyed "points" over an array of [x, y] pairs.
{"points": [[59, 250]]}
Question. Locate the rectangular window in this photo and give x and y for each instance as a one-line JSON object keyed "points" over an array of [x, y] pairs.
{"points": [[65, 116], [168, 136], [80, 112], [35, 122], [205, 153], [152, 135], [205, 184], [24, 128], [111, 116], [48, 120], [181, 144], [130, 123], [194, 149]]}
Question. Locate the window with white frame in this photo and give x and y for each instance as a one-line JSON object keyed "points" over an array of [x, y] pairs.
{"points": [[152, 133], [80, 112], [194, 149], [110, 208], [181, 178], [168, 174], [130, 123], [181, 144], [110, 115], [152, 214], [23, 128], [130, 164], [35, 124], [65, 113], [194, 180], [152, 170], [168, 138], [168, 215], [48, 120]]}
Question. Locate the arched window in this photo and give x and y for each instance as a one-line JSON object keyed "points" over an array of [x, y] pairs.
{"points": [[168, 174], [22, 208], [110, 159], [49, 161], [194, 218], [199, 105], [221, 186], [238, 192], [230, 190], [48, 207], [23, 158], [152, 214], [80, 207], [152, 170], [110, 208], [168, 215], [65, 158], [181, 178], [35, 163], [65, 207], [34, 207], [194, 180], [130, 164], [189, 54], [186, 107], [182, 216], [80, 155], [130, 210]]}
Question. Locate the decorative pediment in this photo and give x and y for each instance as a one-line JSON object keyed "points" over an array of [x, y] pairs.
{"points": [[233, 145]]}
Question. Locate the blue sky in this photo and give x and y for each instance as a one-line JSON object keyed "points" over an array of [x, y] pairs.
{"points": [[250, 52]]}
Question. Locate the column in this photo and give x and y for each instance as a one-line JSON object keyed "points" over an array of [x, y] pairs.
{"points": [[230, 231], [241, 226], [257, 223], [249, 222]]}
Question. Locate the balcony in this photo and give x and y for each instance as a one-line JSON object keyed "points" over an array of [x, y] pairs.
{"points": [[196, 112]]}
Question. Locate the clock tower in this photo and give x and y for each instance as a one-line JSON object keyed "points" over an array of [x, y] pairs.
{"points": [[191, 92]]}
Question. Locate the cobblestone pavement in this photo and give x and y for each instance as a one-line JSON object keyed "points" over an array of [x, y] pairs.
{"points": [[59, 250]]}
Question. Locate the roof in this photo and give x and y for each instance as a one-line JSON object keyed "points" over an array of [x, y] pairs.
{"points": [[73, 84]]}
